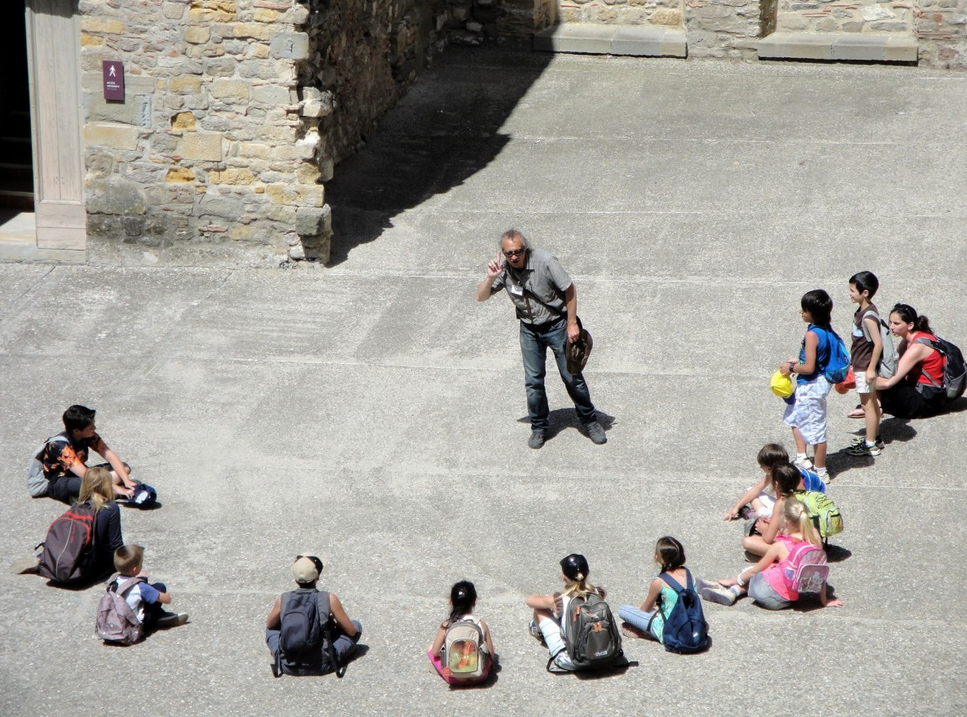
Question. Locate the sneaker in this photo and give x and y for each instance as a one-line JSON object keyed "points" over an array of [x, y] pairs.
{"points": [[171, 619], [536, 440], [803, 463], [25, 565], [596, 433], [861, 440], [717, 594], [861, 449], [535, 631]]}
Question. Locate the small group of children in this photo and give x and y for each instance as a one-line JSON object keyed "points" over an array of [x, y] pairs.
{"points": [[770, 581], [806, 411]]}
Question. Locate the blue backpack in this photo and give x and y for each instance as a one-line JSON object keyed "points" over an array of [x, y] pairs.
{"points": [[685, 628], [837, 366]]}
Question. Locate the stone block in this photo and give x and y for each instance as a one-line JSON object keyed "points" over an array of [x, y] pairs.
{"points": [[203, 11], [796, 45], [88, 40], [185, 85], [298, 14], [231, 90], [224, 206], [89, 23], [183, 121], [581, 38], [254, 30], [201, 146], [197, 35], [180, 175], [290, 46], [272, 95], [114, 196], [220, 67], [109, 135], [310, 221], [262, 14], [173, 10], [231, 176]]}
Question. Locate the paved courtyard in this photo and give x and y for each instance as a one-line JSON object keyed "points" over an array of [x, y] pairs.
{"points": [[373, 412]]}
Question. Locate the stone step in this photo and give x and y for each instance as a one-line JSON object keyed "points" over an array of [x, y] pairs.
{"points": [[633, 40], [839, 46]]}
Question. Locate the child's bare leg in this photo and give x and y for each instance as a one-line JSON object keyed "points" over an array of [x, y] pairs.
{"points": [[755, 545], [819, 456], [871, 414], [800, 441]]}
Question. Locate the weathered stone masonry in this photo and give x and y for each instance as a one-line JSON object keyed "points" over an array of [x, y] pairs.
{"points": [[235, 112]]}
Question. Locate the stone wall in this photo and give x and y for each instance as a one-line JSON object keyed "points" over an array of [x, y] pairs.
{"points": [[365, 53], [235, 112]]}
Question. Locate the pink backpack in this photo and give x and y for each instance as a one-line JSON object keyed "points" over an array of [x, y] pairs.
{"points": [[807, 570]]}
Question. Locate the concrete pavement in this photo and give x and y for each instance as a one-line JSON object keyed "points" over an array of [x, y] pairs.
{"points": [[373, 412]]}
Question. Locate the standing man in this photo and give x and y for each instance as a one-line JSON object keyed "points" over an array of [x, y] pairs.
{"points": [[547, 307]]}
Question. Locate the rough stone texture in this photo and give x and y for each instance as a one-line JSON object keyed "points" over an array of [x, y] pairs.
{"points": [[212, 143]]}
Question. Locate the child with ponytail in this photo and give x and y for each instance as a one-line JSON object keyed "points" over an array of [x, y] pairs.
{"points": [[549, 609], [768, 582], [647, 620], [463, 599]]}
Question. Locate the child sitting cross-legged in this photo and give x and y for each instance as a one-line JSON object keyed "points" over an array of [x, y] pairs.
{"points": [[145, 599]]}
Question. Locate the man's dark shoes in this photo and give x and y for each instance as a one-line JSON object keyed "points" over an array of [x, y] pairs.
{"points": [[596, 433], [536, 440]]}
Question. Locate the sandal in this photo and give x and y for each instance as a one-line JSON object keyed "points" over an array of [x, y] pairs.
{"points": [[857, 412]]}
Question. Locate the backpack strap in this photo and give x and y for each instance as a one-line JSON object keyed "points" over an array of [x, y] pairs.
{"points": [[326, 628], [675, 585], [936, 347]]}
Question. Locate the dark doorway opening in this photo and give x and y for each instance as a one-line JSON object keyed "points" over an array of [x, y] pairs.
{"points": [[16, 160]]}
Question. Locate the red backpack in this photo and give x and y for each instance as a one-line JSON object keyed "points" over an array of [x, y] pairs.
{"points": [[69, 541]]}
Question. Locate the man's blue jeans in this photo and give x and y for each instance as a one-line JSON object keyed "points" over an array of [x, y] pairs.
{"points": [[534, 342]]}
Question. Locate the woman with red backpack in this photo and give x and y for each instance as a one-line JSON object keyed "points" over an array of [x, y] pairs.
{"points": [[914, 391]]}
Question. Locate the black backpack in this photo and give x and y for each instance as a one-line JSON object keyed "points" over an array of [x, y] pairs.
{"points": [[69, 545], [305, 637], [954, 370], [591, 635], [685, 628]]}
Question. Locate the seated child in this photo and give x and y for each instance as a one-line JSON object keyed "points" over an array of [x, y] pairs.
{"points": [[65, 460], [786, 479], [648, 619], [144, 599], [463, 599], [317, 658]]}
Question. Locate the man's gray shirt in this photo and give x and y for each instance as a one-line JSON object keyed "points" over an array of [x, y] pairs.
{"points": [[537, 289]]}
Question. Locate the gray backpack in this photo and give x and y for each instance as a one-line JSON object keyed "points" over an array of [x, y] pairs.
{"points": [[889, 358], [116, 621], [36, 480]]}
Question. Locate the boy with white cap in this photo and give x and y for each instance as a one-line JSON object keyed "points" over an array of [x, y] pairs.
{"points": [[307, 631]]}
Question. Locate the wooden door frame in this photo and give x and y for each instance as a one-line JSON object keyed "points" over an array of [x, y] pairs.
{"points": [[56, 121]]}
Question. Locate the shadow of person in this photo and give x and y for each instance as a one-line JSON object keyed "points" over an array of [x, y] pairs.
{"points": [[446, 129], [561, 419], [892, 430]]}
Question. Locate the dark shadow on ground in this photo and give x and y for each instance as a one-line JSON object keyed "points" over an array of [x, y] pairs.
{"points": [[444, 130], [561, 419], [892, 430]]}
